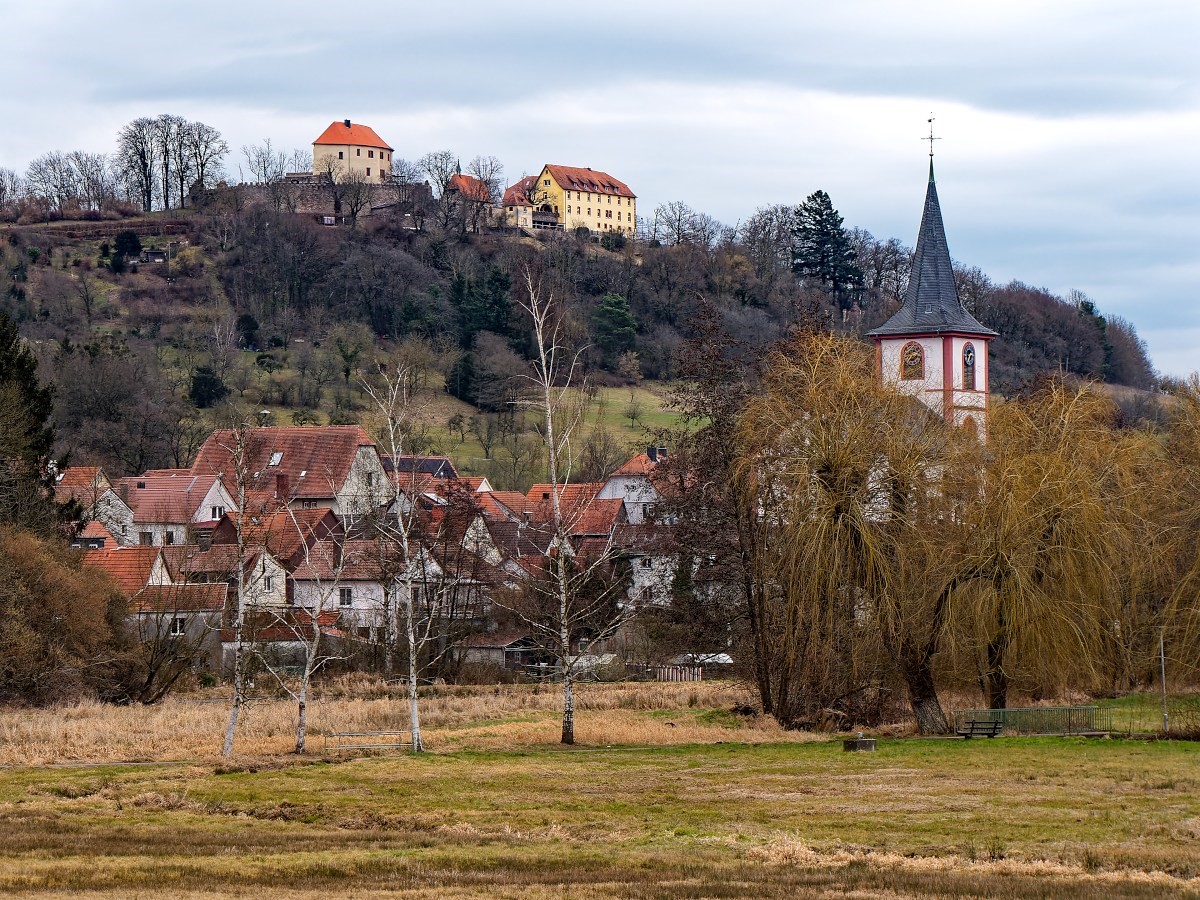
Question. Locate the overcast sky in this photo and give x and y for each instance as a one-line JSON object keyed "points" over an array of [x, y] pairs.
{"points": [[1070, 149]]}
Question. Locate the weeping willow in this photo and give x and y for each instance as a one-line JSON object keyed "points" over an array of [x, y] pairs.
{"points": [[891, 547]]}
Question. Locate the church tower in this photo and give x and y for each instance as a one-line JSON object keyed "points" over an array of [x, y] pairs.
{"points": [[932, 348]]}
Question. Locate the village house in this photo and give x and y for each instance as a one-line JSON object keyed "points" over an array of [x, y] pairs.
{"points": [[634, 483], [167, 506], [162, 609], [334, 467]]}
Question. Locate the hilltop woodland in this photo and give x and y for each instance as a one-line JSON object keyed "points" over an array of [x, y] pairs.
{"points": [[851, 549]]}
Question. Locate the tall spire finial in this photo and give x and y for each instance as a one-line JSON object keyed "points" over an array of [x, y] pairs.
{"points": [[931, 139]]}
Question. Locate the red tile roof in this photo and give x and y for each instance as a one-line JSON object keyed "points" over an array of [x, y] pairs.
{"points": [[314, 460], [518, 194], [96, 531], [82, 483], [129, 567], [284, 534], [167, 496], [218, 562], [639, 465], [359, 560], [181, 598], [573, 178], [470, 187], [355, 135]]}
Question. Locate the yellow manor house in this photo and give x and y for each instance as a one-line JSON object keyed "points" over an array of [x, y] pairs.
{"points": [[571, 197]]}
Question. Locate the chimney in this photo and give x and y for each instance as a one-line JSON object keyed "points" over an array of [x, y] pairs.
{"points": [[281, 486], [347, 121]]}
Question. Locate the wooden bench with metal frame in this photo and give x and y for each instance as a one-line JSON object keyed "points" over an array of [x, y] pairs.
{"points": [[982, 728], [340, 741]]}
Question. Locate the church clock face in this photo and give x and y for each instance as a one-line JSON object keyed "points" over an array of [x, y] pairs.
{"points": [[969, 356], [912, 361]]}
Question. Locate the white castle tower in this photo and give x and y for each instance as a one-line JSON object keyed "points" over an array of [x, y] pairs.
{"points": [[932, 348]]}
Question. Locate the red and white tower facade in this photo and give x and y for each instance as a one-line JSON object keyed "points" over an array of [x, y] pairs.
{"points": [[932, 348]]}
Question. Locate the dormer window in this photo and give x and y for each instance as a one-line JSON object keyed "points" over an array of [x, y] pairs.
{"points": [[276, 458]]}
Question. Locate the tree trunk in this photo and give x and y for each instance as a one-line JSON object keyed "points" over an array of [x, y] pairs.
{"points": [[414, 708], [239, 691], [995, 679], [922, 693], [302, 715], [568, 720], [564, 640]]}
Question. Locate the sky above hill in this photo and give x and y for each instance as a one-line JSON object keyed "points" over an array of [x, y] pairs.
{"points": [[1070, 131]]}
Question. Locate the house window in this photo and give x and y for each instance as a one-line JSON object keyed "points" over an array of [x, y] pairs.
{"points": [[146, 538], [268, 582], [912, 361], [608, 214], [370, 154], [341, 154], [645, 562], [568, 207], [178, 626], [357, 151], [169, 537], [968, 358], [308, 504], [217, 512], [346, 596], [368, 171], [546, 182], [276, 458]]}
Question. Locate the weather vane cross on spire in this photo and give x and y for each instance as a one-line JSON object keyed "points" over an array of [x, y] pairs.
{"points": [[931, 138]]}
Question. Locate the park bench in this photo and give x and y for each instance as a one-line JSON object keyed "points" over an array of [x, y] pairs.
{"points": [[342, 741], [981, 728]]}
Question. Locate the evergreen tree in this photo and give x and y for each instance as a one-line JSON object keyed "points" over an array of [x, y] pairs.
{"points": [[821, 248], [615, 325], [26, 437]]}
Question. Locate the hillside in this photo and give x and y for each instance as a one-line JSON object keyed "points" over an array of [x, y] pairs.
{"points": [[261, 310]]}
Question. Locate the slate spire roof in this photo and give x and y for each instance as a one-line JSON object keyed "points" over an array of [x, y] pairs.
{"points": [[931, 305]]}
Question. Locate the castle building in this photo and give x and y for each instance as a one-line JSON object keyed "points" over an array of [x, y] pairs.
{"points": [[348, 149], [570, 197], [933, 348]]}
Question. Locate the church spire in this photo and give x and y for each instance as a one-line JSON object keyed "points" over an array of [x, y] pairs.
{"points": [[931, 305]]}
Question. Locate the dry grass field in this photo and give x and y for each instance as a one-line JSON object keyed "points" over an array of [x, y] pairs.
{"points": [[669, 794], [502, 717]]}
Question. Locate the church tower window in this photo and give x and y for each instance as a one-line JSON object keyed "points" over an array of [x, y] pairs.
{"points": [[968, 359], [912, 361]]}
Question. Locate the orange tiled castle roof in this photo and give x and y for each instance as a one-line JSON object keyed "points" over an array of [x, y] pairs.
{"points": [[355, 135]]}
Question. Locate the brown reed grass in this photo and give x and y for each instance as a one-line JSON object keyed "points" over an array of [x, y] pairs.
{"points": [[501, 717]]}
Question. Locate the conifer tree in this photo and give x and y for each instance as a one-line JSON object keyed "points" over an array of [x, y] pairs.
{"points": [[821, 248], [26, 437]]}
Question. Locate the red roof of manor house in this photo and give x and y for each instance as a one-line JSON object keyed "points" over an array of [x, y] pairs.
{"points": [[518, 194], [344, 132], [573, 178]]}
